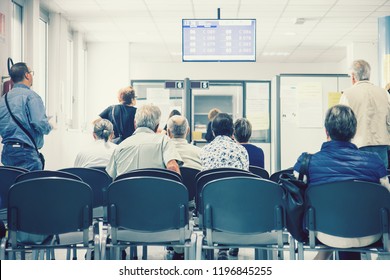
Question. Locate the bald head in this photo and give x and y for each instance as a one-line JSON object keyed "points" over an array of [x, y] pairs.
{"points": [[177, 127]]}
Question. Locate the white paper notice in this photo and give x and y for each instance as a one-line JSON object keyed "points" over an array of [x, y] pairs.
{"points": [[310, 105], [258, 114], [289, 104]]}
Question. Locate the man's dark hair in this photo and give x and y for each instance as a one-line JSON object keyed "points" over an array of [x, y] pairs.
{"points": [[222, 125], [340, 122], [18, 71]]}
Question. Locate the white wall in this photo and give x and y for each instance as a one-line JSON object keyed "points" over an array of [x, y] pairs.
{"points": [[229, 70], [108, 71], [63, 143], [5, 9]]}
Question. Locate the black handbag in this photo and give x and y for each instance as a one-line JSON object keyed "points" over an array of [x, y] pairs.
{"points": [[119, 139], [294, 200], [40, 155]]}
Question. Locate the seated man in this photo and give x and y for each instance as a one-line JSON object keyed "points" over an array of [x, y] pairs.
{"points": [[98, 153], [340, 160], [178, 130], [223, 151], [145, 148]]}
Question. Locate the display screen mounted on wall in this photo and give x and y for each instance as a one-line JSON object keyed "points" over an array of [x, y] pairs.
{"points": [[218, 40]]}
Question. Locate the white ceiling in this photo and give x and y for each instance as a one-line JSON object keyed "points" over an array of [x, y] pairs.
{"points": [[154, 26]]}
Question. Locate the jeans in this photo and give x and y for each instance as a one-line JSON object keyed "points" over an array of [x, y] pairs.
{"points": [[380, 150], [24, 157]]}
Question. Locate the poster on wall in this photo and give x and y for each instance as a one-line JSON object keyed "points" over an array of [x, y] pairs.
{"points": [[2, 27], [333, 98]]}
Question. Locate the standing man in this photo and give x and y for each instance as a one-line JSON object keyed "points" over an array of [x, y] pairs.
{"points": [[371, 107], [27, 107]]}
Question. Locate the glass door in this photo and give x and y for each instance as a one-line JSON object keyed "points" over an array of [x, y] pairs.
{"points": [[154, 92], [223, 95]]}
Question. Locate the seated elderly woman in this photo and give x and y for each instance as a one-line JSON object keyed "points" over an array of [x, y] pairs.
{"points": [[340, 160], [242, 133], [223, 151], [99, 153]]}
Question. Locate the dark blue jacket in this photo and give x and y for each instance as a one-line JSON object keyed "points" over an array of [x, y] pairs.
{"points": [[341, 161]]}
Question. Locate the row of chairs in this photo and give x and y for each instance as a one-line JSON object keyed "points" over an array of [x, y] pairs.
{"points": [[237, 212], [202, 211]]}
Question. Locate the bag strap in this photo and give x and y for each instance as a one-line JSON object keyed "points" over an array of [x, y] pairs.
{"points": [[304, 169], [19, 124], [114, 121]]}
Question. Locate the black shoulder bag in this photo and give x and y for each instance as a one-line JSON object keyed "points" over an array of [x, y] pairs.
{"points": [[294, 199], [117, 128], [41, 157]]}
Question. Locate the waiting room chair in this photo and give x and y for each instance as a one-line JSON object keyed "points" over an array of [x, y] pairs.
{"points": [[153, 172], [349, 209], [101, 168], [259, 171], [59, 209], [221, 169], [7, 179], [210, 176], [98, 181], [148, 211], [24, 170], [244, 212], [45, 173], [148, 172], [276, 175]]}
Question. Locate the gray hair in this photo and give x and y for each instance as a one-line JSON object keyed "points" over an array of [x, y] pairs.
{"points": [[178, 126], [340, 122], [148, 116], [242, 130], [361, 70], [103, 129]]}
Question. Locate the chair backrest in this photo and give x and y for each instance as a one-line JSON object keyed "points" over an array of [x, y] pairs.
{"points": [[147, 204], [210, 176], [45, 173], [275, 176], [188, 176], [152, 172], [348, 209], [15, 168], [7, 179], [49, 206], [96, 179], [101, 168], [243, 205], [221, 169], [259, 171]]}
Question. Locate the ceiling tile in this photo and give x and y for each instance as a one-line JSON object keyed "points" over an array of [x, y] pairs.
{"points": [[156, 24]]}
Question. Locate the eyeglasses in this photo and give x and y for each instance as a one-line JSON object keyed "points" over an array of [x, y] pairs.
{"points": [[31, 72]]}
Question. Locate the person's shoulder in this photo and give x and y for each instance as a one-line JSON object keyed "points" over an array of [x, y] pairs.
{"points": [[249, 146], [371, 157], [193, 147], [348, 90], [32, 95]]}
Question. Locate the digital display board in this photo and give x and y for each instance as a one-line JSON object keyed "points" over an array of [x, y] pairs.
{"points": [[218, 40]]}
